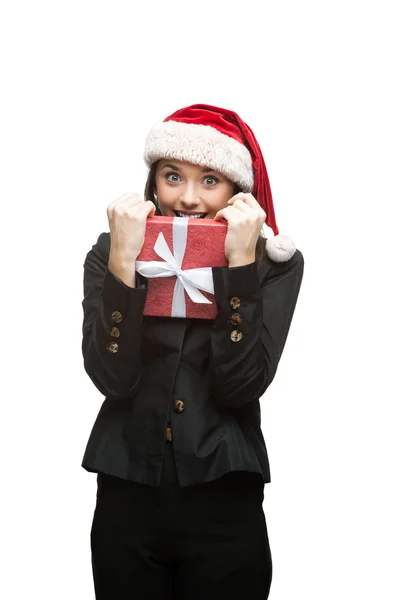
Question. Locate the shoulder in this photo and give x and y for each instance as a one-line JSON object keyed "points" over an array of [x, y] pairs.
{"points": [[103, 244], [99, 253], [271, 267]]}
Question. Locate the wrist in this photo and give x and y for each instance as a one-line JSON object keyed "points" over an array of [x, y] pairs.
{"points": [[241, 261], [123, 269], [122, 259]]}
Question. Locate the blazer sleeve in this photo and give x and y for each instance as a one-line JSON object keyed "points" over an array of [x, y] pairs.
{"points": [[112, 325], [242, 370]]}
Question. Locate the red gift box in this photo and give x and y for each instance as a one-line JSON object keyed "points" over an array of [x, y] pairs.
{"points": [[177, 258]]}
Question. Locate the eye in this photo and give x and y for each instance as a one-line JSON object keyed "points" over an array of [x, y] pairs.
{"points": [[216, 180], [171, 173]]}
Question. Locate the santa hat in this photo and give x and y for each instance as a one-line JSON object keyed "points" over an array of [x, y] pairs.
{"points": [[217, 138]]}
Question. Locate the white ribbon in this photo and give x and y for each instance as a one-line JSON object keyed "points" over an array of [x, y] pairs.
{"points": [[191, 280]]}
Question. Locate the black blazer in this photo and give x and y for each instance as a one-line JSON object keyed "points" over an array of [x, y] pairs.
{"points": [[188, 373]]}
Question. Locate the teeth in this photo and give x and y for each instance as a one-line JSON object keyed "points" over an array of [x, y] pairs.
{"points": [[197, 216]]}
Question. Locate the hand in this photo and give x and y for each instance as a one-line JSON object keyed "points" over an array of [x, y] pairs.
{"points": [[127, 217], [245, 218]]}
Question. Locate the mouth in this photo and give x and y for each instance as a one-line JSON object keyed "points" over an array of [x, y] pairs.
{"points": [[190, 215]]}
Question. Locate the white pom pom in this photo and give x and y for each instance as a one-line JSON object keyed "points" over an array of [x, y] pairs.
{"points": [[280, 248]]}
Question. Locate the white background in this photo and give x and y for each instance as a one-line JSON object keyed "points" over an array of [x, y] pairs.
{"points": [[82, 82]]}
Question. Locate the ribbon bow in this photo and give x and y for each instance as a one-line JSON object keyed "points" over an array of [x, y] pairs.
{"points": [[191, 280]]}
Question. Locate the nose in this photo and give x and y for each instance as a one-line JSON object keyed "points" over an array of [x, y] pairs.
{"points": [[189, 197]]}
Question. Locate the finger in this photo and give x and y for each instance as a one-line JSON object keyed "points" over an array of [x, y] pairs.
{"points": [[122, 199], [252, 214], [130, 200], [141, 211], [239, 204], [229, 213], [238, 208], [240, 196], [247, 199], [123, 203], [151, 208], [220, 215]]}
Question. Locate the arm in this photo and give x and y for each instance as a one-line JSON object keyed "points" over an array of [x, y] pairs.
{"points": [[243, 370], [112, 363]]}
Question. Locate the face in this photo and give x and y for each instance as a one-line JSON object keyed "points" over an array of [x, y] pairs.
{"points": [[184, 189]]}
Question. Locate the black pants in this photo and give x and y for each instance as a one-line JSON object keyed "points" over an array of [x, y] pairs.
{"points": [[206, 541]]}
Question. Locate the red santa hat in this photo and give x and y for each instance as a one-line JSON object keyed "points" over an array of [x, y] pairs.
{"points": [[217, 138]]}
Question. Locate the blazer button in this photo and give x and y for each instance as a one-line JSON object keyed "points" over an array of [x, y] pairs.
{"points": [[115, 332], [235, 303], [116, 316], [112, 347], [236, 319], [235, 336], [178, 406]]}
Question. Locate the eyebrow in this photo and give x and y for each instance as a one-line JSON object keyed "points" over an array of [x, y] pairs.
{"points": [[176, 168]]}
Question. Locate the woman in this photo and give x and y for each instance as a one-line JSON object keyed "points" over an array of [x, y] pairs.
{"points": [[177, 443]]}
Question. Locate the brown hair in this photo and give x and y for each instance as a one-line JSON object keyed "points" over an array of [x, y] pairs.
{"points": [[149, 195]]}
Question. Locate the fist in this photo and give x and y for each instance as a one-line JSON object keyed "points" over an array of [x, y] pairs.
{"points": [[127, 218], [245, 218]]}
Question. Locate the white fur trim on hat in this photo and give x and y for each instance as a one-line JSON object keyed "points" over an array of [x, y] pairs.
{"points": [[280, 248], [201, 145]]}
